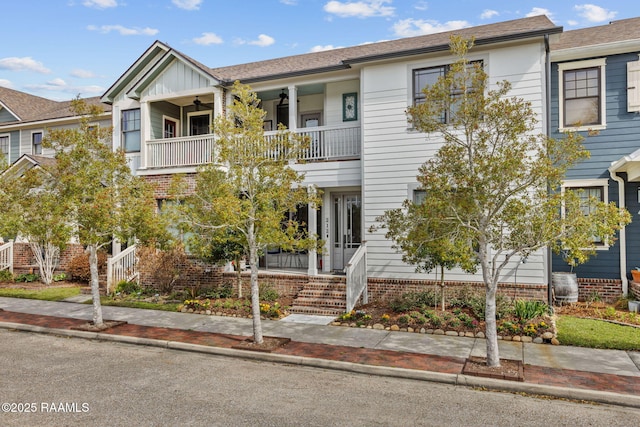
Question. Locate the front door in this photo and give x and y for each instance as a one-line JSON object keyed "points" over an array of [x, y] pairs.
{"points": [[347, 230]]}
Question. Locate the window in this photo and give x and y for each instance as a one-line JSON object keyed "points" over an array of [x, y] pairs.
{"points": [[582, 95], [36, 143], [419, 196], [4, 148], [131, 130], [587, 190], [199, 124], [425, 77]]}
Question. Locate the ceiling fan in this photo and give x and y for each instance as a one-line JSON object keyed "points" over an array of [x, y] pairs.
{"points": [[197, 103], [283, 96]]}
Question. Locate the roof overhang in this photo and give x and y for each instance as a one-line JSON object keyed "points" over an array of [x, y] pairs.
{"points": [[604, 49], [629, 164]]}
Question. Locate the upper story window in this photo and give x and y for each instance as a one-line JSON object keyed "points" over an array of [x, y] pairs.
{"points": [[425, 77], [131, 130], [36, 143], [582, 95], [4, 148]]}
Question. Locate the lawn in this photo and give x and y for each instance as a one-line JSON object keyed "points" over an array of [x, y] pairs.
{"points": [[42, 293], [597, 334]]}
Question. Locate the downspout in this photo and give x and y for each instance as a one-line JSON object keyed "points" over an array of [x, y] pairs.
{"points": [[623, 234], [547, 78]]}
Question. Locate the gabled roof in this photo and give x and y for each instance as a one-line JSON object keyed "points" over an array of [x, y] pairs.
{"points": [[615, 37], [30, 108], [336, 59], [26, 162]]}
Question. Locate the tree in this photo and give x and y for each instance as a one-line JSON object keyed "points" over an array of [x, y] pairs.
{"points": [[427, 240], [250, 188], [495, 180], [103, 200], [34, 210]]}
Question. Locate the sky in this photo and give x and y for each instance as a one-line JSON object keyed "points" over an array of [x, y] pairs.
{"points": [[59, 49]]}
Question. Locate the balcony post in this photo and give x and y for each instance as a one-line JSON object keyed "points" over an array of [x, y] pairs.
{"points": [[312, 219], [145, 132], [293, 108]]}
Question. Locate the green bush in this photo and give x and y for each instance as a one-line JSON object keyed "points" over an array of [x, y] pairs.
{"points": [[413, 301], [224, 290], [27, 277], [59, 277], [6, 276], [503, 306], [526, 310], [128, 288], [268, 293]]}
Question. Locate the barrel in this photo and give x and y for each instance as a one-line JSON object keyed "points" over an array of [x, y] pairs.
{"points": [[565, 286]]}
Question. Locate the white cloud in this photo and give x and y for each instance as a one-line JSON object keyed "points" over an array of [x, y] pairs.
{"points": [[488, 14], [100, 4], [207, 38], [319, 48], [359, 9], [417, 27], [6, 83], [539, 11], [572, 23], [124, 31], [187, 4], [421, 5], [263, 41], [593, 13], [289, 2], [59, 85], [83, 74], [23, 64]]}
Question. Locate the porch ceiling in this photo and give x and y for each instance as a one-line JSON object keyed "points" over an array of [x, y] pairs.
{"points": [[630, 164]]}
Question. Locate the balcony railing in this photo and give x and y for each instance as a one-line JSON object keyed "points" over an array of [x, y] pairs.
{"points": [[182, 151], [326, 143]]}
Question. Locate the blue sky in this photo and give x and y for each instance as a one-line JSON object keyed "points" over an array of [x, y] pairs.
{"points": [[58, 49]]}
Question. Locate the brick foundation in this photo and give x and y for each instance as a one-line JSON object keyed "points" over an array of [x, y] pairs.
{"points": [[634, 290], [162, 183], [24, 261]]}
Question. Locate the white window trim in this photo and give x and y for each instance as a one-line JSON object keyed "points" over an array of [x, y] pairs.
{"points": [[31, 142], [602, 62], [8, 136], [581, 183], [198, 113], [173, 119]]}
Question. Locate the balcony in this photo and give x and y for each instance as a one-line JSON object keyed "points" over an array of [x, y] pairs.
{"points": [[326, 143]]}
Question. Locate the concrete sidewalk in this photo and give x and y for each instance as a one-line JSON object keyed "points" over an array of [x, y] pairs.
{"points": [[609, 376]]}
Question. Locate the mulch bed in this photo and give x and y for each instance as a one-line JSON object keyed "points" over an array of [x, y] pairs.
{"points": [[512, 370]]}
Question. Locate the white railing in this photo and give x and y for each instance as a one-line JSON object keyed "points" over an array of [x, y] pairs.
{"points": [[356, 271], [182, 151], [6, 256], [123, 266], [325, 143]]}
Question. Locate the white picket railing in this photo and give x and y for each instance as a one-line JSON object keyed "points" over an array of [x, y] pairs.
{"points": [[123, 266], [182, 151], [6, 256], [356, 271]]}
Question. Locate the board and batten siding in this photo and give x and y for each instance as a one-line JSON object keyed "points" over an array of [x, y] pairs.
{"points": [[621, 137], [392, 152], [177, 77]]}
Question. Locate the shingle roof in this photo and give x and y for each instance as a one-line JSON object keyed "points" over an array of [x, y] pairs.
{"points": [[339, 58], [30, 108], [615, 31]]}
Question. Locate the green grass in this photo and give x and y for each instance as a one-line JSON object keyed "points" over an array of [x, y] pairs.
{"points": [[597, 334], [47, 294], [139, 304]]}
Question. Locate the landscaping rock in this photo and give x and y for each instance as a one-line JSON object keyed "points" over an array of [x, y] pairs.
{"points": [[538, 340], [546, 336], [554, 341], [409, 329], [336, 324], [438, 332], [480, 334], [429, 331], [422, 330], [469, 334], [378, 326], [394, 328], [451, 333], [516, 338], [526, 339]]}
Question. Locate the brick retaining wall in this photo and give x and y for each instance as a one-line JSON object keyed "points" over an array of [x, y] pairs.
{"points": [[25, 262], [605, 289], [634, 290]]}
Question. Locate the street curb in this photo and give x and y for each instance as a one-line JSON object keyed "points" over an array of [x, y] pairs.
{"points": [[439, 377]]}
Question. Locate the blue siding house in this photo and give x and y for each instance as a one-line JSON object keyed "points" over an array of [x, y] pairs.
{"points": [[595, 90]]}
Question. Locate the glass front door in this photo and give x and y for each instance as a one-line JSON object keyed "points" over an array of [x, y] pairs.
{"points": [[347, 228]]}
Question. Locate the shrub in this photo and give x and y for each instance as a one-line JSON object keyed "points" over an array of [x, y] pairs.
{"points": [[526, 310], [268, 293], [224, 290], [413, 300], [6, 276], [165, 268], [59, 277], [26, 277], [78, 268], [477, 305], [404, 319], [129, 288]]}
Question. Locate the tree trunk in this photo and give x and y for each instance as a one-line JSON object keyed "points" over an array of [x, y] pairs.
{"points": [[47, 258], [238, 276], [442, 285], [95, 286], [255, 289], [491, 332]]}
